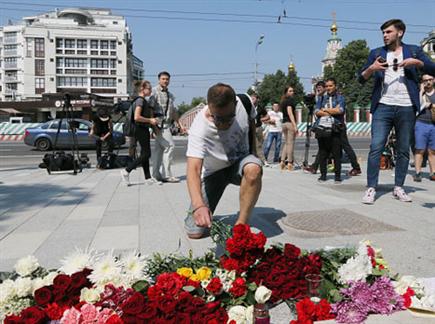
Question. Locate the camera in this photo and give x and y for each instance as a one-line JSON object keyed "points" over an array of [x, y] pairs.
{"points": [[121, 107], [310, 99]]}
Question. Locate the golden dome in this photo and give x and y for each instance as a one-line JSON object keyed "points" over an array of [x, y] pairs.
{"points": [[291, 67], [334, 27]]}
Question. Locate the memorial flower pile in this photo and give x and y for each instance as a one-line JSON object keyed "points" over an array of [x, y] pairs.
{"points": [[94, 288]]}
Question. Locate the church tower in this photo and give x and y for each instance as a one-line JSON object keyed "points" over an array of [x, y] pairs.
{"points": [[334, 44]]}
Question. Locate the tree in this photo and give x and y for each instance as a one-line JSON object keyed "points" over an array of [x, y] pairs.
{"points": [[350, 60], [272, 87]]}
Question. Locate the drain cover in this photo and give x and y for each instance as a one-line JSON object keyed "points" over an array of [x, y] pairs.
{"points": [[321, 223]]}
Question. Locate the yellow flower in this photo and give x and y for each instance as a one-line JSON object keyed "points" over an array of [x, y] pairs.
{"points": [[194, 277], [203, 273], [185, 272]]}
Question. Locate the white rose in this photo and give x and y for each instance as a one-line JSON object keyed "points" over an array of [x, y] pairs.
{"points": [[25, 266], [237, 314], [262, 294], [23, 287], [90, 296], [250, 314]]}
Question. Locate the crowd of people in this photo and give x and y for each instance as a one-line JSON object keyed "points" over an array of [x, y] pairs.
{"points": [[230, 141]]}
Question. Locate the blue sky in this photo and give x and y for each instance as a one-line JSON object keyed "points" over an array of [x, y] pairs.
{"points": [[201, 42]]}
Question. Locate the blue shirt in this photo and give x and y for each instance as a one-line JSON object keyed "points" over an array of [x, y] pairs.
{"points": [[337, 100]]}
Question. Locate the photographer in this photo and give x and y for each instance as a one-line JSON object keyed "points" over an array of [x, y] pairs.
{"points": [[102, 128]]}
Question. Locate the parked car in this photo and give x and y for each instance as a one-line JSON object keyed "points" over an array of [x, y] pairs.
{"points": [[42, 137]]}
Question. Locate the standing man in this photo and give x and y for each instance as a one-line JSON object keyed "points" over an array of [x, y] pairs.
{"points": [[102, 128], [218, 153], [275, 133], [395, 101], [162, 102], [262, 117], [425, 128]]}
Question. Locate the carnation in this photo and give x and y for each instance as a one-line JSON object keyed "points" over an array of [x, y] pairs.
{"points": [[7, 291], [238, 314], [355, 269], [25, 266], [23, 287], [401, 286], [90, 295]]}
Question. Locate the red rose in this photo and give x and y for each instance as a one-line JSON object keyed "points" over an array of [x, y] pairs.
{"points": [[79, 280], [407, 302], [62, 282], [13, 319], [291, 251], [43, 296], [133, 305], [149, 312], [54, 311], [215, 286], [238, 288], [229, 264], [114, 319], [33, 315], [323, 311], [167, 305]]}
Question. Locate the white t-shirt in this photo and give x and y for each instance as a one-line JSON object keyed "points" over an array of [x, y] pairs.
{"points": [[277, 118], [219, 148], [395, 92]]}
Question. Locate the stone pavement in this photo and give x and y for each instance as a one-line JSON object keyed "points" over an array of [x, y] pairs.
{"points": [[50, 215]]}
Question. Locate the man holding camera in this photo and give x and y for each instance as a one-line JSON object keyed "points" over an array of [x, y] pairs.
{"points": [[395, 101], [162, 102], [101, 130]]}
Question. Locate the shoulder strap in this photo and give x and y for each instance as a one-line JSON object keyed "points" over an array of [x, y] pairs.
{"points": [[246, 103]]}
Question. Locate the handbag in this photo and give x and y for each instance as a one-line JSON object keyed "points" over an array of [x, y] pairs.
{"points": [[322, 127]]}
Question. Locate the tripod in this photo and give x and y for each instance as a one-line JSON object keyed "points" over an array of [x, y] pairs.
{"points": [[308, 134], [59, 161]]}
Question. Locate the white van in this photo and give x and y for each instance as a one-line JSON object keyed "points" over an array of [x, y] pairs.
{"points": [[16, 120]]}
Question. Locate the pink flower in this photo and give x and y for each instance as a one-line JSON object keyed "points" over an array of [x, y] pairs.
{"points": [[71, 316]]}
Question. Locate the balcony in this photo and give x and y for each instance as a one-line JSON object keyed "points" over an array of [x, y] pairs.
{"points": [[10, 65], [11, 78], [9, 40], [9, 91], [10, 53]]}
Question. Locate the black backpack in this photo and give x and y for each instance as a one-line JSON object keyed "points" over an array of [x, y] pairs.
{"points": [[129, 127], [247, 103]]}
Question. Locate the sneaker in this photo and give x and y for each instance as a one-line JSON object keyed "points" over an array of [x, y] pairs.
{"points": [[282, 165], [322, 179], [354, 172], [369, 196], [125, 176], [172, 180], [400, 194], [310, 169], [417, 177], [266, 164], [153, 181], [290, 166]]}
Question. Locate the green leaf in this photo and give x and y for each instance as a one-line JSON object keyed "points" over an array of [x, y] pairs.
{"points": [[141, 286], [189, 288]]}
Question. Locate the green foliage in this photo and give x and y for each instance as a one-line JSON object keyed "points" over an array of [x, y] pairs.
{"points": [[272, 87], [350, 60], [220, 232], [141, 286]]}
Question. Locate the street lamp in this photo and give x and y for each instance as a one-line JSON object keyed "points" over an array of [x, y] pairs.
{"points": [[259, 42]]}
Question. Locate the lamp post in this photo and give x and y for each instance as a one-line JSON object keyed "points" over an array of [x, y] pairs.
{"points": [[259, 42]]}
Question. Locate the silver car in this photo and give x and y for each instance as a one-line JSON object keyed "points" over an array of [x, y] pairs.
{"points": [[43, 136]]}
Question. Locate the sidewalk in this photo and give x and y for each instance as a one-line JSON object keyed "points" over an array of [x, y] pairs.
{"points": [[49, 216]]}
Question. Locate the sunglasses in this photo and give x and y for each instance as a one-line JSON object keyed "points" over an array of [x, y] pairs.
{"points": [[221, 120], [395, 65]]}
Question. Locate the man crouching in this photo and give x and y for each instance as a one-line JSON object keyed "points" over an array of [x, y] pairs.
{"points": [[219, 153]]}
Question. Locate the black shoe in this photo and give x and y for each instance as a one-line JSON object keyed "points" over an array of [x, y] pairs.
{"points": [[337, 181], [322, 179], [417, 177]]}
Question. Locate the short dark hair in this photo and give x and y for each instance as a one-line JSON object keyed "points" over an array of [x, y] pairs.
{"points": [[320, 83], [332, 80], [397, 23], [221, 95], [164, 73]]}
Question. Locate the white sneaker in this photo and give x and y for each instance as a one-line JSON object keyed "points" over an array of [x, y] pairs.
{"points": [[400, 194], [152, 181], [369, 196], [125, 176]]}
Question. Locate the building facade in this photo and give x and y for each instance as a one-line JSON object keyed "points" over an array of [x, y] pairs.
{"points": [[72, 50], [334, 44], [429, 44]]}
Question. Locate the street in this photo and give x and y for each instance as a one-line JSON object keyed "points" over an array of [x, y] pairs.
{"points": [[17, 155]]}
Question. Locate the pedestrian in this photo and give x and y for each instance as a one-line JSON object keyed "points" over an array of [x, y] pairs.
{"points": [[332, 104], [275, 133], [261, 118], [218, 153], [142, 120], [289, 128], [162, 102], [395, 102], [102, 128], [425, 128]]}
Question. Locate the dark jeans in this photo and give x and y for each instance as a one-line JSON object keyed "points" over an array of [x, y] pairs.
{"points": [[142, 135], [384, 119], [327, 146], [99, 144], [348, 149], [273, 136]]}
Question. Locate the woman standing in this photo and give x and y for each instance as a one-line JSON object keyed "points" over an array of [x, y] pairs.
{"points": [[289, 128], [142, 119], [332, 104]]}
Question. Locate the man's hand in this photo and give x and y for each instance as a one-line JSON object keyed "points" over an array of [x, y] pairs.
{"points": [[153, 121], [202, 216], [379, 64], [182, 129], [411, 62]]}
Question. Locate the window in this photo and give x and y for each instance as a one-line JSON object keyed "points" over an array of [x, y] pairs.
{"points": [[59, 62], [113, 64], [59, 51], [100, 72], [104, 53], [29, 47], [39, 85], [70, 43], [112, 44], [39, 67], [72, 82], [76, 62], [94, 52], [59, 71], [112, 53], [103, 82], [100, 63], [94, 43], [59, 42], [104, 44], [83, 126], [39, 47], [70, 51], [75, 71], [82, 43], [82, 52]]}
